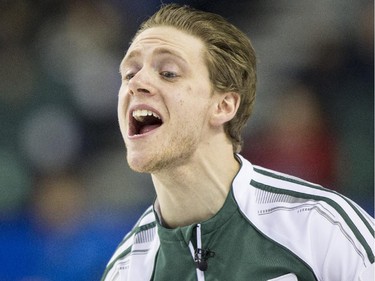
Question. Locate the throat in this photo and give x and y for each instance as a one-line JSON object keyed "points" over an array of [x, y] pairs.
{"points": [[186, 206], [195, 192]]}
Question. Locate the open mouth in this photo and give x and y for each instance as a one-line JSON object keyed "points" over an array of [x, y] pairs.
{"points": [[143, 121]]}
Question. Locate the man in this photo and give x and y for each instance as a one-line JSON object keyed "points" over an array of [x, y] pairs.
{"points": [[188, 87]]}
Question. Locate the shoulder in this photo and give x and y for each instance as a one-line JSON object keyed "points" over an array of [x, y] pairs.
{"points": [[145, 224], [316, 224], [143, 232]]}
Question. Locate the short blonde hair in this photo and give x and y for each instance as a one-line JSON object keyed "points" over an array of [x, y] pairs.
{"points": [[230, 57]]}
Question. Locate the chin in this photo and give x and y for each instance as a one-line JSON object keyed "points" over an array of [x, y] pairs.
{"points": [[149, 164], [162, 159], [141, 163], [137, 164]]}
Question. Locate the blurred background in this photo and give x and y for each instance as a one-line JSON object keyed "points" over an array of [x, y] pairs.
{"points": [[67, 194]]}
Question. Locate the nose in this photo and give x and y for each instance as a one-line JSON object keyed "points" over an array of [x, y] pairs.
{"points": [[140, 83]]}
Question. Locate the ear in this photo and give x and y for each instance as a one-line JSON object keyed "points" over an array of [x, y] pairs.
{"points": [[225, 108]]}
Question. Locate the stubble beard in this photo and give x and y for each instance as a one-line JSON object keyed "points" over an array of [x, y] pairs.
{"points": [[173, 153]]}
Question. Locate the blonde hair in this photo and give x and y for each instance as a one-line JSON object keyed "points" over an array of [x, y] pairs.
{"points": [[230, 57]]}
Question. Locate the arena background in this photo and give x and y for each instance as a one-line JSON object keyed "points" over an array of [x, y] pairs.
{"points": [[67, 195]]}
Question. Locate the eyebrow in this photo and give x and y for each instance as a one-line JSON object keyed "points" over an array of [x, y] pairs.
{"points": [[164, 51], [128, 57], [157, 51]]}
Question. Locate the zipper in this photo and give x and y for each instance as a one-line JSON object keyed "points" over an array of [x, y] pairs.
{"points": [[197, 254]]}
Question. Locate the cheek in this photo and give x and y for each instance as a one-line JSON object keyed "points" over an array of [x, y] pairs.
{"points": [[123, 102], [192, 112]]}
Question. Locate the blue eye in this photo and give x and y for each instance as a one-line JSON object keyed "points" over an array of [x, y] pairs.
{"points": [[129, 76], [168, 74]]}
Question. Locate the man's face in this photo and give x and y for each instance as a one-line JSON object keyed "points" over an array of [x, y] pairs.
{"points": [[164, 100]]}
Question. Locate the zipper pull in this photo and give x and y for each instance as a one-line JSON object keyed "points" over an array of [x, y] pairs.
{"points": [[201, 255]]}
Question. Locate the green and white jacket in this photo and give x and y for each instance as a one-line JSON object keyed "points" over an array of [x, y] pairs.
{"points": [[272, 226]]}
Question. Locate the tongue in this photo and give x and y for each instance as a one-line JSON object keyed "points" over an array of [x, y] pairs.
{"points": [[148, 128]]}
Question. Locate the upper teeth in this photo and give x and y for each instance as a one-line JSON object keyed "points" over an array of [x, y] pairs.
{"points": [[139, 114]]}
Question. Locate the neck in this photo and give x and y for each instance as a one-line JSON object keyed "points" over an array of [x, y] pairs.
{"points": [[195, 191]]}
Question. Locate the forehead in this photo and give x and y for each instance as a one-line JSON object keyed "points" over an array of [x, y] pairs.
{"points": [[167, 40]]}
